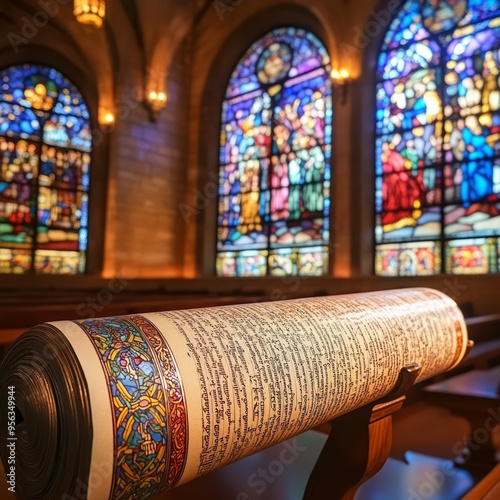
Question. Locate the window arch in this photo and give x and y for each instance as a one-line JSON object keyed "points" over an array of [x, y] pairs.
{"points": [[45, 147], [438, 140], [274, 177]]}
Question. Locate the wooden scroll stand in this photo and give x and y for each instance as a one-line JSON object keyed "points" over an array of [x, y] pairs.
{"points": [[358, 445]]}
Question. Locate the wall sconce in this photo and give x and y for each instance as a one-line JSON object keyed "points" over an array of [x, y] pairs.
{"points": [[340, 80], [91, 12], [106, 118], [155, 102]]}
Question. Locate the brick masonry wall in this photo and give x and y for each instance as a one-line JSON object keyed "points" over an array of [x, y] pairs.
{"points": [[144, 237]]}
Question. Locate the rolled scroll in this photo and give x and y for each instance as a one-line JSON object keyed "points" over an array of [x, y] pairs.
{"points": [[125, 407]]}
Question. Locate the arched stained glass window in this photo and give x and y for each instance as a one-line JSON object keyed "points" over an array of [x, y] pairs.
{"points": [[274, 187], [438, 140], [45, 145]]}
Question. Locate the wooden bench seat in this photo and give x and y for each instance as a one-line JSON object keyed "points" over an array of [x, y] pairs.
{"points": [[484, 328], [473, 395], [488, 488], [482, 356], [36, 311], [16, 318]]}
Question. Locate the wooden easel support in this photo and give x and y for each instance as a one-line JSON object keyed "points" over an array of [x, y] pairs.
{"points": [[358, 445]]}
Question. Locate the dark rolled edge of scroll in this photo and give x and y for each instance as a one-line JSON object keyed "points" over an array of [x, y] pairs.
{"points": [[53, 418]]}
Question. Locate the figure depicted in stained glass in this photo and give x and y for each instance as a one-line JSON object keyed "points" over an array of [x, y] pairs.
{"points": [[477, 167], [438, 130], [274, 63], [45, 145], [402, 190], [274, 194]]}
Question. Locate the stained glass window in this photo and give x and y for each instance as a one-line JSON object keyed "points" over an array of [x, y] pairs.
{"points": [[274, 187], [438, 139], [45, 146]]}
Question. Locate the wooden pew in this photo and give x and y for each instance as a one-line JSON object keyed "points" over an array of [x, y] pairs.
{"points": [[488, 488], [27, 314], [7, 337], [485, 332], [17, 317], [484, 328], [473, 395]]}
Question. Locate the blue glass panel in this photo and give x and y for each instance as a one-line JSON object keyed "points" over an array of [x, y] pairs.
{"points": [[443, 15], [406, 27], [408, 102], [16, 121], [482, 9], [482, 40], [42, 88], [68, 132], [401, 62]]}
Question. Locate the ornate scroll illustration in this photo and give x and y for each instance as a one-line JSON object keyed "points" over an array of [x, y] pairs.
{"points": [[149, 412]]}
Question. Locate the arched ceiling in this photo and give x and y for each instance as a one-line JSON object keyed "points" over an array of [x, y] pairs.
{"points": [[159, 27]]}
